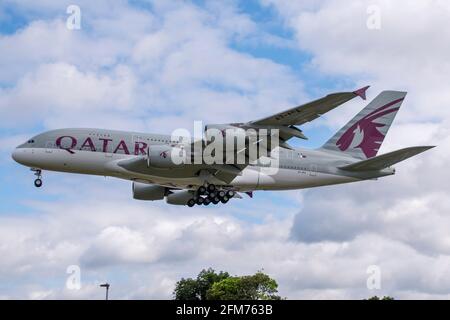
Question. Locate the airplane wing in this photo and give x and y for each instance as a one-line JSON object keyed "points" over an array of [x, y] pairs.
{"points": [[305, 113], [285, 122], [224, 172]]}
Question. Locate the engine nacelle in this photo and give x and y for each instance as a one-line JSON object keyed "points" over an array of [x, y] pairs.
{"points": [[166, 157], [143, 191], [179, 197]]}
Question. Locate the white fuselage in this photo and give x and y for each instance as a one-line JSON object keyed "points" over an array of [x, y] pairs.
{"points": [[293, 172]]}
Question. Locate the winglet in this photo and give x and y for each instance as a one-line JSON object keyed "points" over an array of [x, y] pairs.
{"points": [[361, 92]]}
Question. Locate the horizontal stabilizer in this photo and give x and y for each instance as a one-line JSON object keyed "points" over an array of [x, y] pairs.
{"points": [[385, 160]]}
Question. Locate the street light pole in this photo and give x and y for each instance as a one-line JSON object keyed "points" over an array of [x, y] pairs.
{"points": [[105, 285]]}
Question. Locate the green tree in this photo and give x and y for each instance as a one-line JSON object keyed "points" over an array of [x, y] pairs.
{"points": [[227, 289], [207, 278], [384, 298], [190, 289], [210, 285], [186, 289], [256, 287]]}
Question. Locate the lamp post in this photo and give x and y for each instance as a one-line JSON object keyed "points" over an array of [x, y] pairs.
{"points": [[105, 285]]}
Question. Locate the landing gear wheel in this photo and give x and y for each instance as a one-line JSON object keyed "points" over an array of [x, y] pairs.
{"points": [[224, 199], [38, 183], [200, 201], [215, 200], [38, 174], [221, 194], [211, 188], [191, 203], [212, 195], [230, 194], [206, 202], [201, 190]]}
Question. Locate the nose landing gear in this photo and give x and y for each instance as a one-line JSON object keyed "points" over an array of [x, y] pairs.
{"points": [[38, 183], [38, 174]]}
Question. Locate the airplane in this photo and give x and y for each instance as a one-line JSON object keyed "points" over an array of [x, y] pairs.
{"points": [[349, 156]]}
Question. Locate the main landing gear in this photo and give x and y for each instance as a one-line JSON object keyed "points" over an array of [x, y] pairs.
{"points": [[205, 195], [38, 174]]}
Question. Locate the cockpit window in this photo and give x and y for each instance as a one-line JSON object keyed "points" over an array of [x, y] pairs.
{"points": [[31, 141]]}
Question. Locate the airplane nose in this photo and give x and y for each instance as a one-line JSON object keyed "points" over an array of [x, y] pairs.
{"points": [[14, 154], [19, 155]]}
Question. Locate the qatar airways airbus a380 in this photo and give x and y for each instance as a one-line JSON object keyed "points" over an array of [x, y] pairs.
{"points": [[167, 166]]}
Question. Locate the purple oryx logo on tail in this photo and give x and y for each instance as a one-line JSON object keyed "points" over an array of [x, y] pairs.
{"points": [[364, 133]]}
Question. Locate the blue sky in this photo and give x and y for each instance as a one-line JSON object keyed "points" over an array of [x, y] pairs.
{"points": [[154, 66]]}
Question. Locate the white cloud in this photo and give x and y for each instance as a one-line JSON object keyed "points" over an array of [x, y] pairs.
{"points": [[153, 248], [178, 64], [408, 52], [119, 244], [43, 42]]}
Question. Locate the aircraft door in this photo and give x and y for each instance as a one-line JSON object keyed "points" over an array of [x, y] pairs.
{"points": [[313, 170]]}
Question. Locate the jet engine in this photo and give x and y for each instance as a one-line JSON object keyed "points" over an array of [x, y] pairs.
{"points": [[180, 198], [143, 191], [165, 157]]}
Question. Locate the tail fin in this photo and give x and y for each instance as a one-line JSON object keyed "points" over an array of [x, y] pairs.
{"points": [[363, 135]]}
